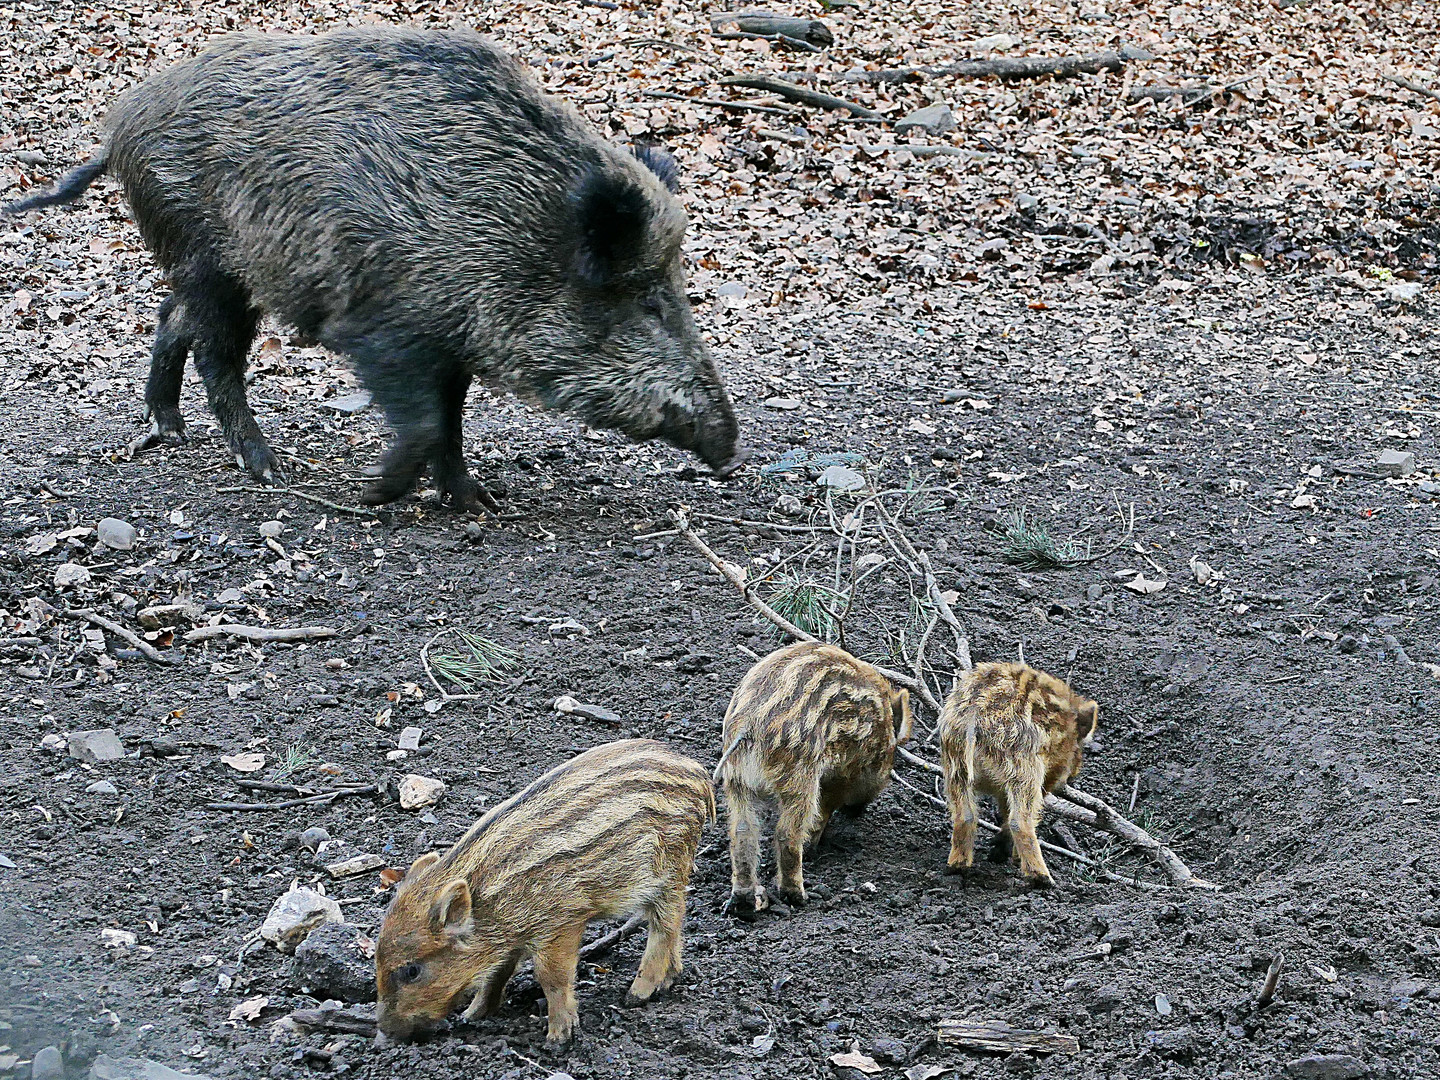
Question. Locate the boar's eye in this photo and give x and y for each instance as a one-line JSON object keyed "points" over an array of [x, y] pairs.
{"points": [[408, 974]]}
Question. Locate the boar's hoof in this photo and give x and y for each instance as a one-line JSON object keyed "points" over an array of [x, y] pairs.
{"points": [[731, 467], [561, 1033], [1001, 848], [167, 428], [960, 870], [1040, 881], [386, 490], [794, 898], [463, 495], [745, 903], [256, 458]]}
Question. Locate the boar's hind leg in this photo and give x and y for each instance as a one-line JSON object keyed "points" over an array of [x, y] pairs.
{"points": [[798, 817], [555, 965], [167, 371], [742, 808], [963, 817], [218, 313], [452, 479], [1027, 802], [661, 962]]}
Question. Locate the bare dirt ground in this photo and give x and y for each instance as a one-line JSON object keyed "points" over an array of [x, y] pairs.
{"points": [[1233, 369]]}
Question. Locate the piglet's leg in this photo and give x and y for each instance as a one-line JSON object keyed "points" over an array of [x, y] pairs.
{"points": [[1027, 800], [661, 962], [555, 964], [743, 811], [963, 816], [490, 992], [797, 819]]}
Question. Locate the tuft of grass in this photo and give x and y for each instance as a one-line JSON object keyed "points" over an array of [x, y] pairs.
{"points": [[1029, 545], [297, 758], [466, 659], [806, 604]]}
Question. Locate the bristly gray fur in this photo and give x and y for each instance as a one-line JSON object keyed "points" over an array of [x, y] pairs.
{"points": [[412, 199]]}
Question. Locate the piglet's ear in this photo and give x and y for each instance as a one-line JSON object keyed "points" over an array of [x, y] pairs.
{"points": [[611, 220], [420, 865], [661, 162], [1086, 719], [450, 911]]}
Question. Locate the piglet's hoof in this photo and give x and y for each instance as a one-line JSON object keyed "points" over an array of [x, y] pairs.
{"points": [[794, 898], [744, 905]]}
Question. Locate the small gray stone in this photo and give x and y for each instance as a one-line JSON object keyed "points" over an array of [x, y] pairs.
{"points": [[271, 529], [934, 119], [102, 787], [313, 837], [114, 533], [53, 744], [31, 157], [330, 963], [784, 404], [296, 914], [790, 506], [418, 792], [48, 1065], [1396, 463], [410, 739], [841, 478], [1326, 1067], [349, 404], [93, 746], [732, 289], [1095, 592], [1348, 643], [70, 573], [889, 1051]]}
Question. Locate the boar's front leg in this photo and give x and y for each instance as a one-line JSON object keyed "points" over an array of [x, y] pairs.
{"points": [[663, 945], [490, 991], [167, 372], [222, 322], [452, 479], [555, 964]]}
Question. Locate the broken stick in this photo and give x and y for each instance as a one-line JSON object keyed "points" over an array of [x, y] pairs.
{"points": [[1001, 1038], [791, 92], [260, 633], [1110, 820], [1419, 88], [1009, 67], [1272, 980], [95, 619], [606, 942], [764, 24]]}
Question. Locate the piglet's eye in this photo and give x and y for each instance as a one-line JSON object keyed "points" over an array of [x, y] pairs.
{"points": [[408, 974]]}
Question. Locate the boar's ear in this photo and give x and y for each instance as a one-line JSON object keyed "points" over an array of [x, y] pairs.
{"points": [[611, 219], [661, 162], [420, 865], [1086, 720], [900, 710], [450, 911]]}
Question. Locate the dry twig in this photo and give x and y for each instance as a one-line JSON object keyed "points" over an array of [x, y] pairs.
{"points": [[1272, 980], [790, 92], [606, 942], [1408, 84], [1008, 67], [94, 618], [339, 508]]}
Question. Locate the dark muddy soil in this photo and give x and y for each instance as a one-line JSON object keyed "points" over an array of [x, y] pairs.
{"points": [[1280, 741]]}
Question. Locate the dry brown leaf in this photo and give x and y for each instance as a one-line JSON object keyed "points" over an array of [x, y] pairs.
{"points": [[853, 1059], [246, 763]]}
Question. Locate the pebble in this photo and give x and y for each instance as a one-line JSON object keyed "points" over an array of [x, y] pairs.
{"points": [[349, 404], [734, 289], [48, 1065], [1396, 463], [271, 529], [598, 713], [330, 963], [115, 533], [102, 787], [889, 1051], [951, 397], [934, 119], [68, 574], [295, 914], [1326, 1067], [784, 404], [53, 744], [313, 837], [418, 791], [93, 746], [31, 157], [112, 938], [790, 506], [1348, 643], [410, 738]]}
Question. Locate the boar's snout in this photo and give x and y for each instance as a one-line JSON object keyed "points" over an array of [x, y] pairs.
{"points": [[709, 430], [395, 1029]]}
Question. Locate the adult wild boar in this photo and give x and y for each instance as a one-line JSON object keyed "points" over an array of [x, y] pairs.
{"points": [[411, 199]]}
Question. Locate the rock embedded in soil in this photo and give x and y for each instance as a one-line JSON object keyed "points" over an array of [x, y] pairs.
{"points": [[418, 791], [934, 119], [69, 574], [295, 914], [270, 530], [410, 739], [115, 533], [108, 1068], [889, 1051], [1326, 1067], [48, 1065], [841, 478], [332, 963], [1396, 463], [96, 746], [101, 787]]}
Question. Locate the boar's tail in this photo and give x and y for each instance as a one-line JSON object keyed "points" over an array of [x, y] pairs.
{"points": [[720, 765], [69, 189]]}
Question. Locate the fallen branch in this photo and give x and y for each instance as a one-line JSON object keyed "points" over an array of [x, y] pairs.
{"points": [[797, 44], [734, 106], [1191, 95], [791, 92], [260, 633], [1009, 67], [129, 636], [764, 24], [1419, 88], [1001, 1038], [323, 798], [606, 942], [341, 508], [1108, 819]]}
